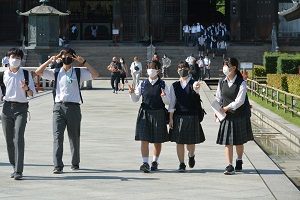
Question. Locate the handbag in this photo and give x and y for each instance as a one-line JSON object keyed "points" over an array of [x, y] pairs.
{"points": [[136, 68], [167, 116]]}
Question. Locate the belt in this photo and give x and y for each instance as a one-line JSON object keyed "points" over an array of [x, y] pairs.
{"points": [[15, 103], [68, 103]]}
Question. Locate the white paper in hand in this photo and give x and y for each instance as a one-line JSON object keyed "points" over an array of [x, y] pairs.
{"points": [[216, 108]]}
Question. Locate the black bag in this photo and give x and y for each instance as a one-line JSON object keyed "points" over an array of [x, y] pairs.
{"points": [[197, 101], [136, 68], [167, 115]]}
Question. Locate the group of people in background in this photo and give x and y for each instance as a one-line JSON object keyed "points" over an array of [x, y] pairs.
{"points": [[209, 39]]}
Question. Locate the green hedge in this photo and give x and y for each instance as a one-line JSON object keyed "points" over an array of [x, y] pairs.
{"points": [[293, 82], [270, 62], [259, 71], [288, 65], [286, 82]]}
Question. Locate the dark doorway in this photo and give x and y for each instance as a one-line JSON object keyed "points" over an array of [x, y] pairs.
{"points": [[207, 11]]}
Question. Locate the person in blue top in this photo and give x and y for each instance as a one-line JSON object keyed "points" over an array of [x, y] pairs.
{"points": [[151, 124], [235, 129], [184, 121]]}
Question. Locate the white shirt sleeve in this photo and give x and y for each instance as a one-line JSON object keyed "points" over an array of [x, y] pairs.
{"points": [[172, 99], [135, 97], [166, 99]]}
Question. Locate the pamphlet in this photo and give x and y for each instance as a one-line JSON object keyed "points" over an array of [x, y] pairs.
{"points": [[216, 108]]}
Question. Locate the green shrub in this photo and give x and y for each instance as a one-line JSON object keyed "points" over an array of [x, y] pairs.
{"points": [[259, 71], [276, 81], [270, 62], [288, 65], [294, 84]]}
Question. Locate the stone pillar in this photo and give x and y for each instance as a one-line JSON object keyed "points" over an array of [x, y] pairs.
{"points": [[143, 20], [117, 18]]}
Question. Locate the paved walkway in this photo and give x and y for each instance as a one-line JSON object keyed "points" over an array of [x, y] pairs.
{"points": [[110, 159]]}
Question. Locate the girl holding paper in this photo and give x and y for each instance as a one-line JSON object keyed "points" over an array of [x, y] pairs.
{"points": [[235, 129]]}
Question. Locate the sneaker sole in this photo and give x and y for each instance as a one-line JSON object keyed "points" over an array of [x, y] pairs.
{"points": [[145, 170], [229, 173], [57, 172]]}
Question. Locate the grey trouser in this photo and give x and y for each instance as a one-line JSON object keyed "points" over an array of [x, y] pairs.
{"points": [[66, 115], [14, 119], [136, 79]]}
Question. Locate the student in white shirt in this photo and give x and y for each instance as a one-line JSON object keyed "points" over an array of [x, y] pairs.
{"points": [[66, 111], [151, 122], [136, 71], [15, 108], [235, 129], [184, 121]]}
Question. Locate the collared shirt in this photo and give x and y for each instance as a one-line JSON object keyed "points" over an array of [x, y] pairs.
{"points": [[138, 92], [206, 61], [173, 96], [240, 98], [201, 40], [199, 28], [13, 84], [65, 91], [186, 29], [194, 29]]}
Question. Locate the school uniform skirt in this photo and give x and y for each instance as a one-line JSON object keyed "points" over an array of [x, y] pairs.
{"points": [[235, 130], [187, 130], [201, 48], [151, 126]]}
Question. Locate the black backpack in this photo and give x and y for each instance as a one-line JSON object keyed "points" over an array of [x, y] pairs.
{"points": [[3, 87], [196, 100], [56, 71]]}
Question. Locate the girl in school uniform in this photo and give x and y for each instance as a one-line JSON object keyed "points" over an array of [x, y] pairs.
{"points": [[184, 122], [235, 129], [151, 124]]}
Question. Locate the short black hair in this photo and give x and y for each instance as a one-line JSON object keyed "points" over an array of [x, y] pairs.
{"points": [[183, 64], [67, 50], [16, 52], [154, 63]]}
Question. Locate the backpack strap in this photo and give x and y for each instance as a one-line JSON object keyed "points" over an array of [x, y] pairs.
{"points": [[26, 76], [77, 70], [56, 71], [3, 88]]}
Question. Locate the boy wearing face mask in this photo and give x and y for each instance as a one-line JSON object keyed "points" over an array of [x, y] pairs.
{"points": [[151, 121], [235, 129], [184, 120], [15, 108], [66, 111]]}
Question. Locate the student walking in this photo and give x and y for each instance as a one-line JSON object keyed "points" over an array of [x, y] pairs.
{"points": [[123, 72], [151, 124], [136, 71], [184, 121], [67, 97], [235, 129], [19, 85]]}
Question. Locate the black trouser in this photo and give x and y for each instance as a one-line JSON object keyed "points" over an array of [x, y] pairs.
{"points": [[114, 81], [14, 120]]}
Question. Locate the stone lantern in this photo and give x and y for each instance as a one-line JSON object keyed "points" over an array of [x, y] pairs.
{"points": [[43, 26]]}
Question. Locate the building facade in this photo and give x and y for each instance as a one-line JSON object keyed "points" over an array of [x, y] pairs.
{"points": [[142, 20]]}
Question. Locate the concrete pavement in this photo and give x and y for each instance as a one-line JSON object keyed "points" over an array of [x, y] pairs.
{"points": [[110, 159]]}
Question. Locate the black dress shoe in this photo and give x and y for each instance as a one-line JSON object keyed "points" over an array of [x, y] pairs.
{"points": [[18, 176], [75, 167]]}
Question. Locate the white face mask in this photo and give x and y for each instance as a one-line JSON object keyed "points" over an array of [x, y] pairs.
{"points": [[226, 70], [152, 72], [14, 62]]}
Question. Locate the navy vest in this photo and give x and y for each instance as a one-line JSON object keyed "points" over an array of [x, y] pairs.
{"points": [[152, 96], [230, 93], [184, 102]]}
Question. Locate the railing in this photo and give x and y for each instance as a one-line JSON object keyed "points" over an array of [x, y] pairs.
{"points": [[277, 97]]}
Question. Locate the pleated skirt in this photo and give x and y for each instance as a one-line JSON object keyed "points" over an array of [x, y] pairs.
{"points": [[187, 130], [151, 126], [235, 131]]}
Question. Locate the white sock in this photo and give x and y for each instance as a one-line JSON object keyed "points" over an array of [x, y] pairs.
{"points": [[155, 158], [145, 159]]}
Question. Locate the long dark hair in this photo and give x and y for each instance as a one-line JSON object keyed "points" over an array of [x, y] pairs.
{"points": [[233, 62]]}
